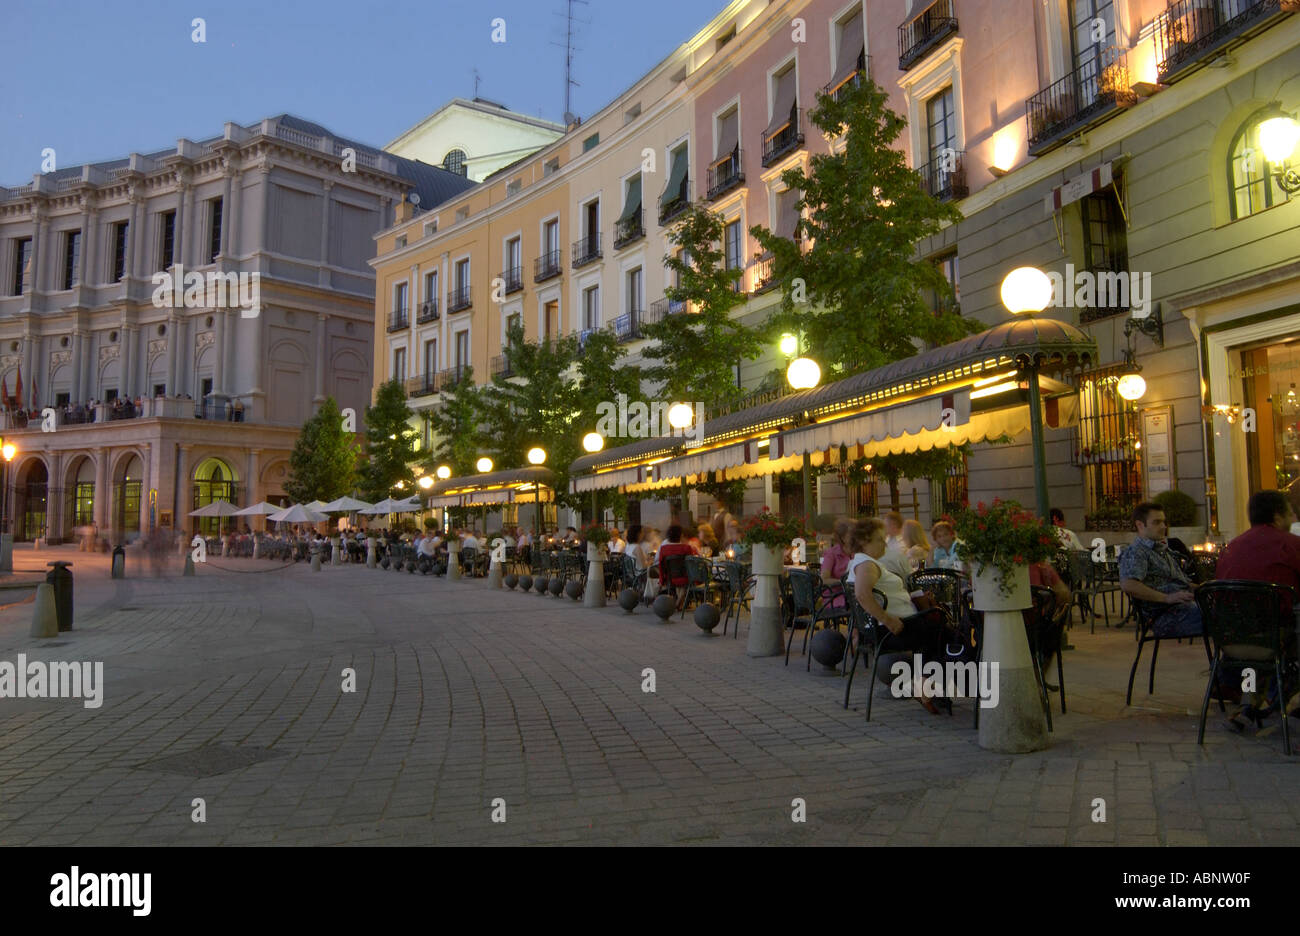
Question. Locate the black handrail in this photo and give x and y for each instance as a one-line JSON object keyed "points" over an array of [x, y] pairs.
{"points": [[922, 33]]}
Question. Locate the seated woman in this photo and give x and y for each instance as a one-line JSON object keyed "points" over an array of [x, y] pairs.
{"points": [[915, 545], [708, 541], [836, 558], [944, 554], [907, 630], [674, 547]]}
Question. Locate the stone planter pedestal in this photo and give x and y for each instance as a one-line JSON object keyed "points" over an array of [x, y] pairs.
{"points": [[1016, 724], [594, 595], [453, 559], [336, 553], [372, 553], [766, 628], [495, 575]]}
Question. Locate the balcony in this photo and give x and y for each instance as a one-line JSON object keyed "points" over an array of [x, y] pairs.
{"points": [[662, 308], [458, 300], [1095, 91], [765, 273], [501, 366], [399, 320], [588, 250], [428, 312], [547, 266], [858, 77], [447, 379], [513, 279], [923, 33], [725, 175], [628, 230], [426, 385], [1192, 32], [783, 141], [675, 205], [628, 327], [944, 178]]}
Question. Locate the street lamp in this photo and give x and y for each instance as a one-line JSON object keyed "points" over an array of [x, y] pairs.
{"points": [[8, 449], [593, 442], [1279, 134], [789, 345], [484, 464], [804, 374], [425, 482], [1132, 387], [537, 456], [443, 472], [1028, 291], [680, 415]]}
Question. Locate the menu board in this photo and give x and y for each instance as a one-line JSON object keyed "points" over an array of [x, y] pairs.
{"points": [[1157, 451]]}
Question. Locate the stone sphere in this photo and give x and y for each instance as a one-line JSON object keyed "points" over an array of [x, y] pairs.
{"points": [[411, 567], [574, 589], [557, 585], [424, 566], [511, 580], [628, 599], [706, 617], [664, 606], [828, 647], [542, 584], [526, 582], [384, 563]]}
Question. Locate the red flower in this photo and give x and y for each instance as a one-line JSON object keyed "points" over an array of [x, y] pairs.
{"points": [[1019, 559], [984, 526]]}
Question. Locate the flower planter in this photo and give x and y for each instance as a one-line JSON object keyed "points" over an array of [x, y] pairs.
{"points": [[989, 595], [595, 552], [594, 596], [766, 628], [768, 560]]}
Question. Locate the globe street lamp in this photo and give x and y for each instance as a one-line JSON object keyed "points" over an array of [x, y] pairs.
{"points": [[1279, 135], [1028, 291], [537, 456], [484, 464], [789, 345], [593, 442], [425, 482], [805, 374], [8, 449], [443, 472]]}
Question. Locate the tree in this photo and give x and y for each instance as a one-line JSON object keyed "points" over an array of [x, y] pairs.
{"points": [[456, 424], [859, 294], [323, 463], [390, 443], [699, 348]]}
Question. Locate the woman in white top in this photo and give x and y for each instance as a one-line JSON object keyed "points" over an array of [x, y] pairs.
{"points": [[908, 629]]}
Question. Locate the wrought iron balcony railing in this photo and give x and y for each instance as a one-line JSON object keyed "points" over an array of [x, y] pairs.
{"points": [[514, 279], [627, 230], [628, 327], [1093, 92], [922, 33], [428, 311], [587, 250], [547, 266], [458, 300], [725, 174], [783, 140], [422, 386], [447, 379], [660, 309], [1191, 32], [944, 177], [398, 320], [501, 366], [678, 203]]}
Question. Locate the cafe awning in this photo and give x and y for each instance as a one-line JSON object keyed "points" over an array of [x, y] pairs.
{"points": [[494, 487]]}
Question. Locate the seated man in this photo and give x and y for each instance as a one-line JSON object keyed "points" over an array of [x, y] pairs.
{"points": [[674, 547], [1150, 573], [1069, 539]]}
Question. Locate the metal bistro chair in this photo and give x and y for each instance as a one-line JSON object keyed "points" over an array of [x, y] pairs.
{"points": [[1149, 618], [469, 561], [575, 567], [1090, 580], [1249, 622], [672, 567], [739, 585], [947, 588], [633, 575], [1038, 619], [866, 629], [700, 587], [813, 605]]}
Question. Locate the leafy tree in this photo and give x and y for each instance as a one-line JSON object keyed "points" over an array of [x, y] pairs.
{"points": [[601, 378], [323, 463], [698, 350], [456, 424], [859, 294], [390, 443]]}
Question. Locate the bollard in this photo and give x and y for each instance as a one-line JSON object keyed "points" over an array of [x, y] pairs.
{"points": [[189, 564], [119, 562], [45, 620], [453, 559], [494, 575], [594, 597], [372, 553], [336, 553], [36, 544], [315, 562], [61, 579], [6, 552]]}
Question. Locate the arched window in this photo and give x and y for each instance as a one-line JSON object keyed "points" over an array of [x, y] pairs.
{"points": [[1252, 187], [455, 162]]}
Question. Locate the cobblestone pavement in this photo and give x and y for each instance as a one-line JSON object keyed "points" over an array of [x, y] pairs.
{"points": [[227, 687]]}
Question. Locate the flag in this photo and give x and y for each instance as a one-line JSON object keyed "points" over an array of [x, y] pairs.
{"points": [[33, 392], [18, 385], [4, 392]]}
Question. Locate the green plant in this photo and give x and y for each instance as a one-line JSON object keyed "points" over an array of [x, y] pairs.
{"points": [[1179, 508], [767, 529], [430, 523], [1003, 536], [596, 533]]}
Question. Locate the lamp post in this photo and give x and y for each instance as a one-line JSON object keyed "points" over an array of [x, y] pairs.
{"points": [[1028, 291], [8, 449], [1279, 134], [537, 456], [592, 443], [804, 374], [680, 417]]}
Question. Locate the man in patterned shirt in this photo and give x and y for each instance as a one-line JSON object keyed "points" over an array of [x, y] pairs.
{"points": [[1149, 572]]}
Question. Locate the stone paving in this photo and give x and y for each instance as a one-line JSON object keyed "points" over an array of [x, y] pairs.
{"points": [[228, 687]]}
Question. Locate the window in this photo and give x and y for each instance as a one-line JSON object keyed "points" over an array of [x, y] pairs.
{"points": [[948, 267], [399, 242], [632, 113], [63, 399], [1106, 444], [462, 274], [726, 37], [399, 364], [462, 350], [1252, 186], [591, 308], [215, 207], [850, 52], [513, 320], [684, 256], [1085, 48], [941, 123], [1105, 247], [454, 161], [551, 166], [727, 139], [591, 142], [676, 194], [462, 213], [22, 266], [732, 242], [205, 387], [167, 245], [119, 250], [635, 291], [431, 356], [158, 390], [431, 286], [399, 299], [551, 320], [551, 237], [431, 227], [71, 258], [513, 187]]}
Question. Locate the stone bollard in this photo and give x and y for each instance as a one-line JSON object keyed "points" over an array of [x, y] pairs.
{"points": [[336, 554], [45, 620], [189, 563], [453, 559], [766, 627], [594, 596], [315, 562], [257, 546], [119, 562], [372, 553]]}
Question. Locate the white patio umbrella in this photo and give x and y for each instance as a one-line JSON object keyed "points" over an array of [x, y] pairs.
{"points": [[410, 505], [385, 506], [316, 505], [298, 513], [257, 510], [344, 504], [216, 509]]}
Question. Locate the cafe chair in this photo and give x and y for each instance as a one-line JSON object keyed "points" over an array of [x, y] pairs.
{"points": [[1153, 627], [700, 587], [633, 575], [740, 585], [672, 567], [1039, 621], [865, 628], [813, 605], [1249, 623]]}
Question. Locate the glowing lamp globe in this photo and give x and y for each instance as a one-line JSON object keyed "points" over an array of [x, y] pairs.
{"points": [[426, 482], [680, 415], [1026, 290], [9, 451], [593, 442], [443, 472], [484, 464], [789, 345], [536, 456], [1132, 387], [1278, 137], [803, 373]]}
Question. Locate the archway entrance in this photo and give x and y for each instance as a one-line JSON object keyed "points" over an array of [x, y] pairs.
{"points": [[31, 501], [126, 499], [214, 480], [80, 498]]}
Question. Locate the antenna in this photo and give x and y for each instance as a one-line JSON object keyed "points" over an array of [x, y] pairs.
{"points": [[476, 82], [569, 49]]}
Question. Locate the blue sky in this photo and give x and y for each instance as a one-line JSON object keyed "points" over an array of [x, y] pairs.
{"points": [[98, 79]]}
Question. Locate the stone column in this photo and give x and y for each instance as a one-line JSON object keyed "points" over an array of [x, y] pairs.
{"points": [[128, 333], [219, 371], [183, 496], [173, 355], [594, 595], [40, 231], [324, 279], [135, 232], [253, 483], [103, 497], [185, 355], [321, 324], [256, 365], [55, 521], [186, 231], [89, 240], [148, 481], [78, 396], [766, 628], [29, 359], [1013, 722], [89, 365]]}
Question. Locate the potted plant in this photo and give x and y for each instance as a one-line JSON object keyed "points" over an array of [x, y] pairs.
{"points": [[767, 536], [597, 537], [1001, 541]]}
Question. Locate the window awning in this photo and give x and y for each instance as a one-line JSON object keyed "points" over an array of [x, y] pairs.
{"points": [[633, 203], [787, 216], [782, 101], [607, 480], [494, 487], [1078, 188], [851, 48], [677, 175], [728, 134]]}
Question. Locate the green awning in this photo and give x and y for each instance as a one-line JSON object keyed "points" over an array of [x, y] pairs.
{"points": [[633, 203], [681, 161]]}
